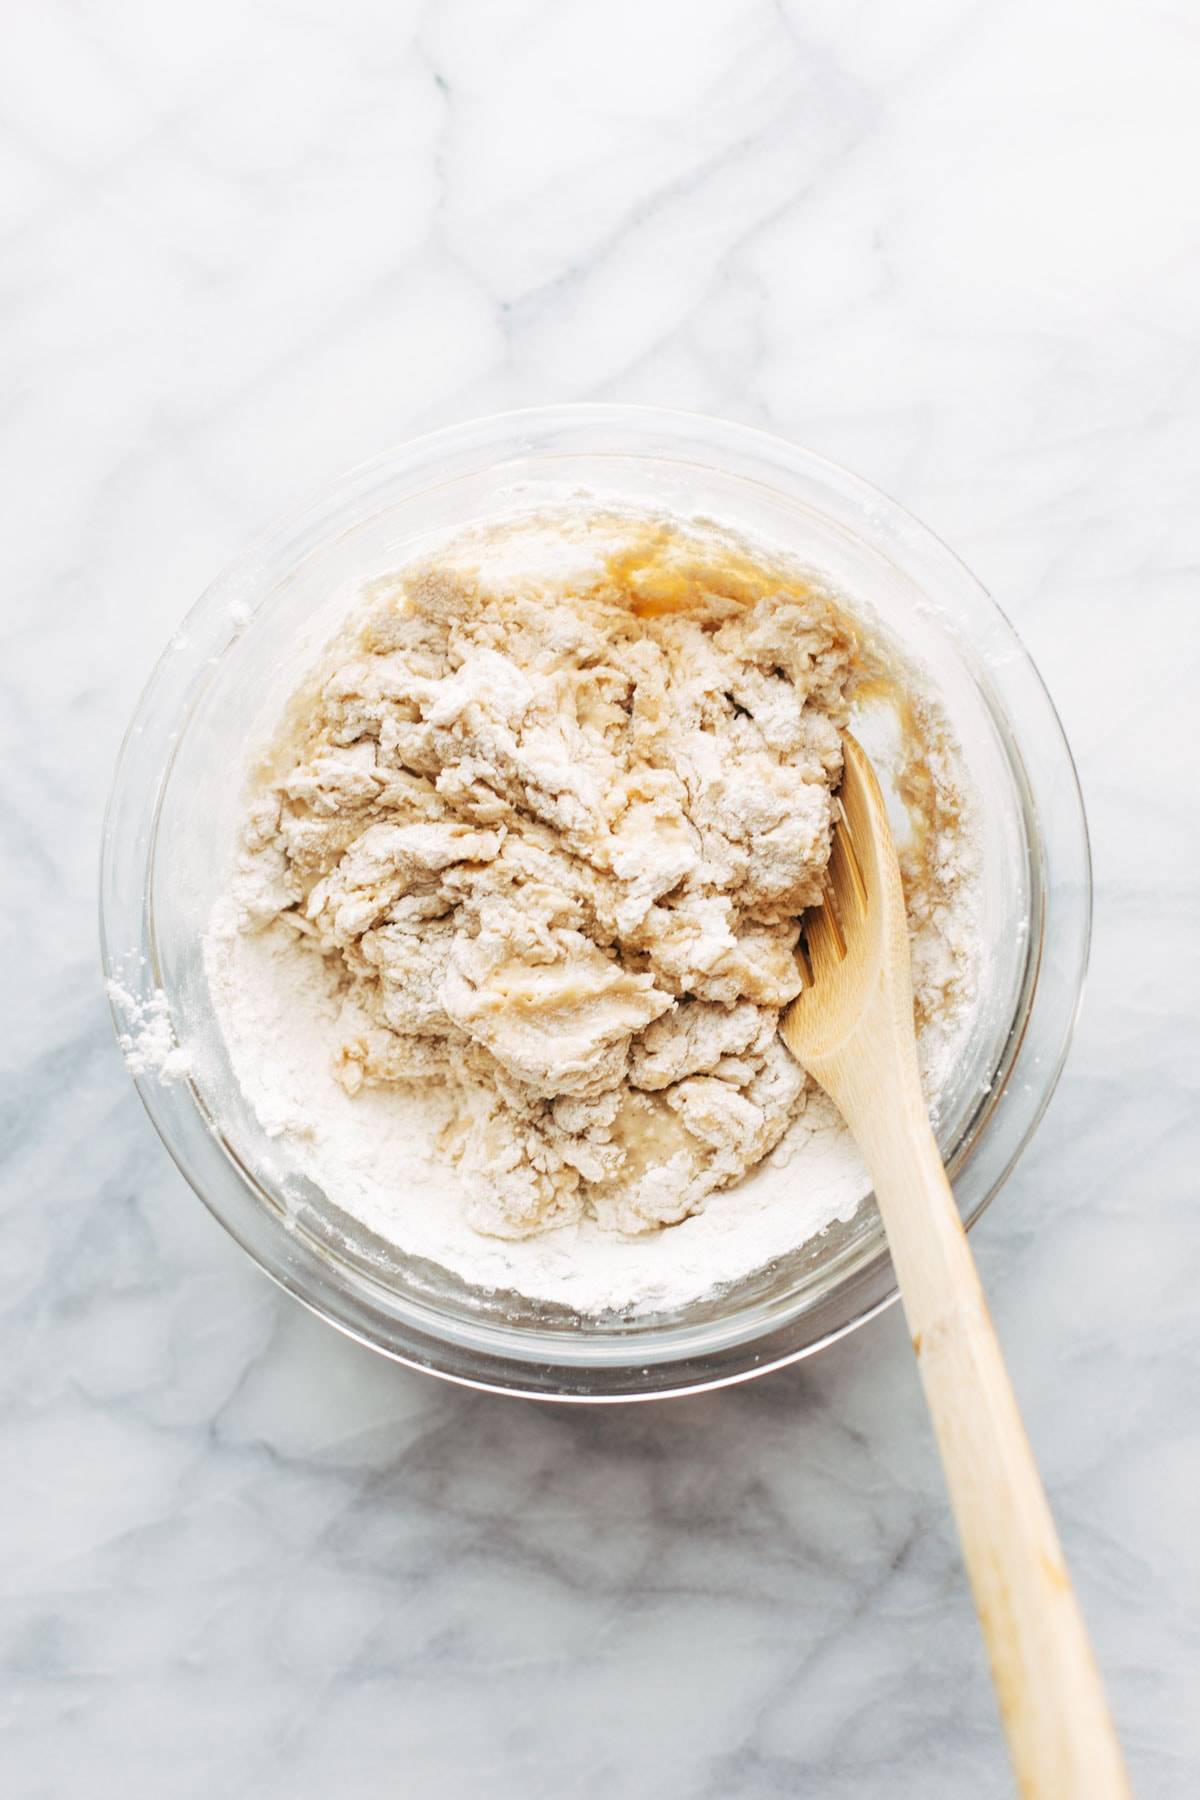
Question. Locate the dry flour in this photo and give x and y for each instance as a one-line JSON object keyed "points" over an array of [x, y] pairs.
{"points": [[326, 980]]}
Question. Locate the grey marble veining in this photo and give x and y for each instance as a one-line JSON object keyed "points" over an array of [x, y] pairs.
{"points": [[954, 247]]}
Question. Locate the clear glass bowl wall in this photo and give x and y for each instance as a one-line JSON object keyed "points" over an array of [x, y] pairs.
{"points": [[242, 649]]}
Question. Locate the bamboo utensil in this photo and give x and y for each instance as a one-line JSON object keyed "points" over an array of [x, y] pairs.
{"points": [[852, 1029]]}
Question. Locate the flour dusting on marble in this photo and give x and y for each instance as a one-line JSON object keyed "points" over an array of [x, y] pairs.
{"points": [[148, 1042]]}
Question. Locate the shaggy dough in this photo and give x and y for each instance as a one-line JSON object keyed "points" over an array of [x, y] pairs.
{"points": [[557, 845]]}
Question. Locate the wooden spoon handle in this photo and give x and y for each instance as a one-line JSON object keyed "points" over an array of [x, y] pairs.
{"points": [[1052, 1703]]}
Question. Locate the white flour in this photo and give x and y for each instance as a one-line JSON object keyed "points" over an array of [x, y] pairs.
{"points": [[148, 1042], [283, 1015], [373, 1153]]}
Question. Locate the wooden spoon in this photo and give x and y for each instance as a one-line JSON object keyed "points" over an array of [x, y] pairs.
{"points": [[852, 1029]]}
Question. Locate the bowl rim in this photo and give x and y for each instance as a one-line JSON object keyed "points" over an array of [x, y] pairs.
{"points": [[303, 527]]}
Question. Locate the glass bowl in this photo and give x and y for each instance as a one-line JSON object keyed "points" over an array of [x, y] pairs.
{"points": [[171, 817]]}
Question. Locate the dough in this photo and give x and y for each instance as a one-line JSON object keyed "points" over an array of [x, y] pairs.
{"points": [[556, 843]]}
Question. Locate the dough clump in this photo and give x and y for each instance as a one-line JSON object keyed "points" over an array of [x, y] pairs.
{"points": [[556, 844]]}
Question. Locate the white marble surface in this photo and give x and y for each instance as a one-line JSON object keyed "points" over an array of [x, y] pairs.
{"points": [[956, 247]]}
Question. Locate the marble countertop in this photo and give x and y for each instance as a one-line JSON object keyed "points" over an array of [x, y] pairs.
{"points": [[954, 247]]}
